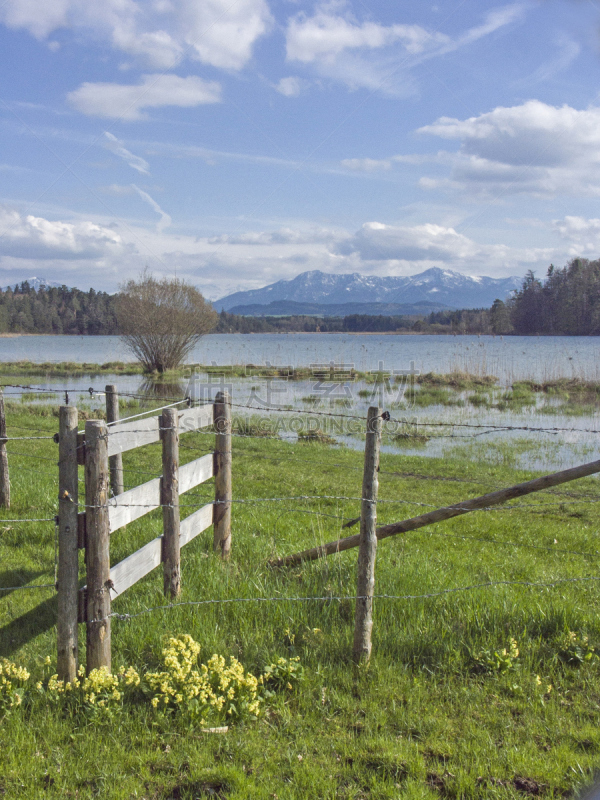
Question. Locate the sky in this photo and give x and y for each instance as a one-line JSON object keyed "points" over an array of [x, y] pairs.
{"points": [[234, 143]]}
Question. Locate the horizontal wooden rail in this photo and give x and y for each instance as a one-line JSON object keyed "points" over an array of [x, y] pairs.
{"points": [[129, 571], [191, 419], [197, 522], [441, 514], [195, 472], [123, 436], [133, 504]]}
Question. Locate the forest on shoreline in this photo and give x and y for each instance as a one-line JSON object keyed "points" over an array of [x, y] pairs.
{"points": [[566, 302]]}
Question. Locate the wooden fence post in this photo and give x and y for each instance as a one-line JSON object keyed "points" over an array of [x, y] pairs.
{"points": [[97, 551], [363, 619], [169, 498], [115, 462], [222, 507], [68, 553], [4, 477]]}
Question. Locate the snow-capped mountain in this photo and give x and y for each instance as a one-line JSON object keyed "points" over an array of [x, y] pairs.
{"points": [[442, 286], [35, 283]]}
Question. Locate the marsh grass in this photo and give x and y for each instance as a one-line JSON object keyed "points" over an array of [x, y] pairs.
{"points": [[423, 722]]}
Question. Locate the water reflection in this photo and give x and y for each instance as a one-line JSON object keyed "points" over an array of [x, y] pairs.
{"points": [[160, 390]]}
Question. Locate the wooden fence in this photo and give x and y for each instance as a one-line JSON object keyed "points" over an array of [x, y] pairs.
{"points": [[99, 449], [108, 508]]}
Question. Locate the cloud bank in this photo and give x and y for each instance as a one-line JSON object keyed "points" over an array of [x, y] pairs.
{"points": [[117, 101]]}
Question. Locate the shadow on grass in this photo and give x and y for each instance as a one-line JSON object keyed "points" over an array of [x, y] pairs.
{"points": [[29, 625], [15, 579]]}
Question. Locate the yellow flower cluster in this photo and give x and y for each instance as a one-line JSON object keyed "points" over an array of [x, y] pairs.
{"points": [[216, 690], [100, 689], [212, 689], [129, 676], [12, 678], [512, 651]]}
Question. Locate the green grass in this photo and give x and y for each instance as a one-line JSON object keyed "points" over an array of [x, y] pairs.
{"points": [[458, 380], [422, 722], [67, 368]]}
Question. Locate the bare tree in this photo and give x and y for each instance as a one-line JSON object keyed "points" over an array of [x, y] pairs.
{"points": [[161, 320]]}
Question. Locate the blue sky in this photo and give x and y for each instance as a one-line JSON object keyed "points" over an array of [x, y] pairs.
{"points": [[237, 142]]}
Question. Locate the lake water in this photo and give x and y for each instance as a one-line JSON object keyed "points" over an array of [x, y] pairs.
{"points": [[509, 358]]}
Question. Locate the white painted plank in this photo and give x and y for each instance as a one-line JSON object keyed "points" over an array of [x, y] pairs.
{"points": [[197, 522], [193, 418], [195, 472], [127, 435], [130, 505], [134, 567]]}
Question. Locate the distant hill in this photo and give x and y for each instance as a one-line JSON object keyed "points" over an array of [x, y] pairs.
{"points": [[287, 308], [34, 283], [442, 286]]}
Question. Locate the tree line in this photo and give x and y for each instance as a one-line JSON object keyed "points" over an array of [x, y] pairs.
{"points": [[56, 310], [566, 302]]}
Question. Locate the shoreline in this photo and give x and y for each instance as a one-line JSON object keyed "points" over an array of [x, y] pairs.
{"points": [[329, 333]]}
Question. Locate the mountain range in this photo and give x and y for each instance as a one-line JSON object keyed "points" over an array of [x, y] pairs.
{"points": [[35, 283], [290, 308], [442, 287]]}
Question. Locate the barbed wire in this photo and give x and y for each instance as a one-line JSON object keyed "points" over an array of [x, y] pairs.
{"points": [[342, 598], [34, 586], [424, 424], [300, 411], [82, 390], [400, 501], [23, 438], [394, 473], [143, 413]]}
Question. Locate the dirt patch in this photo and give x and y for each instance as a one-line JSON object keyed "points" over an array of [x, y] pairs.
{"points": [[521, 784], [194, 790]]}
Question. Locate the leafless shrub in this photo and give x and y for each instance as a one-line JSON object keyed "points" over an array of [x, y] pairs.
{"points": [[161, 320]]}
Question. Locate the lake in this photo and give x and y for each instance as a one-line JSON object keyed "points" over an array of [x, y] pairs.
{"points": [[509, 358]]}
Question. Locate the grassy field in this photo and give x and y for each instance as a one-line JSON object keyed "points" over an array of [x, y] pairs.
{"points": [[442, 712]]}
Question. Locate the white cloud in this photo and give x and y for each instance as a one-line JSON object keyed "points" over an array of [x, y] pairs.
{"points": [[118, 190], [366, 164], [216, 32], [29, 237], [281, 236], [126, 102], [94, 252], [374, 56], [426, 245], [324, 36], [165, 219], [582, 235], [223, 33], [534, 147], [119, 149], [292, 86]]}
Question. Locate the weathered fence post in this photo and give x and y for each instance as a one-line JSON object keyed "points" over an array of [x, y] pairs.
{"points": [[169, 498], [68, 553], [115, 462], [363, 619], [4, 478], [222, 507], [97, 551]]}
